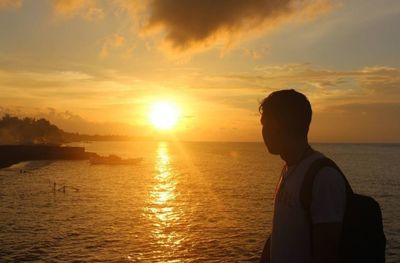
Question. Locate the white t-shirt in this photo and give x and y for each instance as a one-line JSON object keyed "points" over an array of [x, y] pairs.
{"points": [[290, 240]]}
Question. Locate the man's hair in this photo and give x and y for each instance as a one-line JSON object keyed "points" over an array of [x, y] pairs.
{"points": [[291, 109]]}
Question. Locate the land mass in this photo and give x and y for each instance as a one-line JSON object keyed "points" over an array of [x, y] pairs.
{"points": [[28, 131], [29, 139]]}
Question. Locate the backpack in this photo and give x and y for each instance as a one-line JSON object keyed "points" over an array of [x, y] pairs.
{"points": [[363, 239]]}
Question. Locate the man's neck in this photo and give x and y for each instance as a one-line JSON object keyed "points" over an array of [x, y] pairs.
{"points": [[296, 153]]}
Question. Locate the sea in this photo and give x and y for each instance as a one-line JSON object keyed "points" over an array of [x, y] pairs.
{"points": [[185, 202]]}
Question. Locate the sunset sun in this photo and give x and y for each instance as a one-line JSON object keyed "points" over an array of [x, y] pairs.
{"points": [[164, 115]]}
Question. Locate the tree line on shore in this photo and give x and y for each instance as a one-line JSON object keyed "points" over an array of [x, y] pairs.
{"points": [[26, 131], [14, 130]]}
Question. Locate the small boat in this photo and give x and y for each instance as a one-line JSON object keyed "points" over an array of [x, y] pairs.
{"points": [[114, 160]]}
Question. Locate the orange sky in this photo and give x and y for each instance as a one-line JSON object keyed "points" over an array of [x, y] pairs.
{"points": [[96, 66]]}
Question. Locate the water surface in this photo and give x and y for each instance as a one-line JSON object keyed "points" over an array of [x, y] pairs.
{"points": [[187, 202]]}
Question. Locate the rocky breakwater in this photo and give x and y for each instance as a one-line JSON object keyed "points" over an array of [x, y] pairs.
{"points": [[12, 154]]}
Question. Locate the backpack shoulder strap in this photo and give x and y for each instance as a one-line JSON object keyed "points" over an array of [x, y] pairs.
{"points": [[306, 189]]}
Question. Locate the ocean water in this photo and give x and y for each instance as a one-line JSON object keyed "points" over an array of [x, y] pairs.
{"points": [[187, 202]]}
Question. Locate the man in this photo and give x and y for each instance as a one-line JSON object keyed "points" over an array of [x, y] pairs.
{"points": [[285, 118]]}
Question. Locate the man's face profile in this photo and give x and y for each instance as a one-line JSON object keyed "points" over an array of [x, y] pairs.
{"points": [[272, 134]]}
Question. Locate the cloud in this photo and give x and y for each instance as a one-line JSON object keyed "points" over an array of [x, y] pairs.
{"points": [[114, 43], [10, 3], [385, 80], [87, 9], [255, 53], [51, 88], [93, 13], [183, 27], [360, 105], [73, 122], [194, 25], [358, 122], [381, 80], [41, 79], [324, 87], [70, 7]]}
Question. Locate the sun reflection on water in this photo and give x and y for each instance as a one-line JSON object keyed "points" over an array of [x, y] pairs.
{"points": [[162, 209]]}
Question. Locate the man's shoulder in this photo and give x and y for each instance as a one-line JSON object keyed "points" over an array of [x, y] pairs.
{"points": [[328, 174], [315, 156], [329, 196]]}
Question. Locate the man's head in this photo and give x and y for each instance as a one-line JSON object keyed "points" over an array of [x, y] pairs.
{"points": [[285, 118]]}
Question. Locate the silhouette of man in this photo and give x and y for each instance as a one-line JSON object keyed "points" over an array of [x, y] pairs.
{"points": [[285, 118]]}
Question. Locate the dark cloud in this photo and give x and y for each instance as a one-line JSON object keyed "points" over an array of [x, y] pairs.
{"points": [[188, 24], [195, 24]]}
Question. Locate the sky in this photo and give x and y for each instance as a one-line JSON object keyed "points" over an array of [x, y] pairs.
{"points": [[97, 66]]}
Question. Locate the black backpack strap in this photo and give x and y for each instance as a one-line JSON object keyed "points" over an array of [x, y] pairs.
{"points": [[306, 189]]}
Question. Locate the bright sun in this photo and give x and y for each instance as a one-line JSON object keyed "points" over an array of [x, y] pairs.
{"points": [[164, 115]]}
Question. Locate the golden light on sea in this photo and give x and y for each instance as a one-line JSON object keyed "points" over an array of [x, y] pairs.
{"points": [[163, 211]]}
